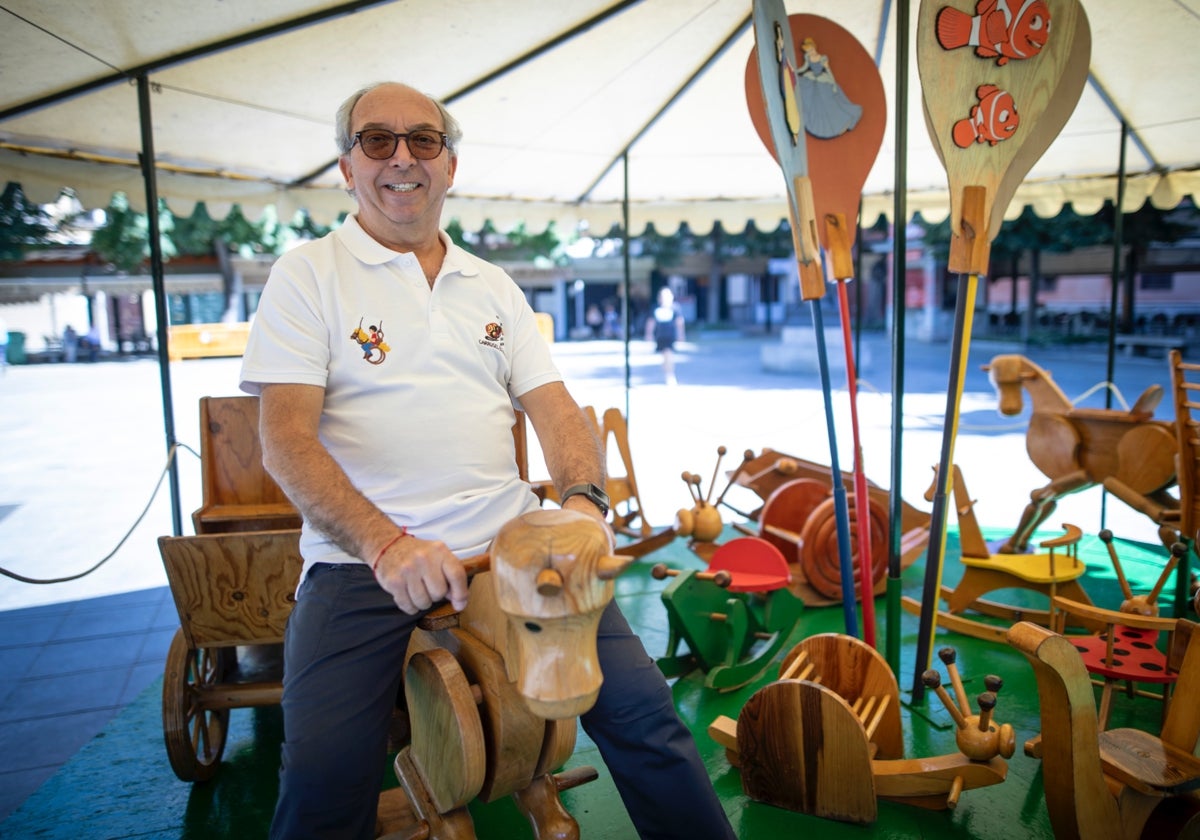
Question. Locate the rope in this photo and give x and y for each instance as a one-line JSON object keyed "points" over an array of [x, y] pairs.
{"points": [[132, 528]]}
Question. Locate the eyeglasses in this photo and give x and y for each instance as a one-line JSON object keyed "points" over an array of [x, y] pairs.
{"points": [[381, 144]]}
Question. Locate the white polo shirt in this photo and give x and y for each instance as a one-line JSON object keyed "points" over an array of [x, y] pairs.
{"points": [[421, 421]]}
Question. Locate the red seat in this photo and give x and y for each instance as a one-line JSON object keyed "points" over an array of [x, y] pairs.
{"points": [[754, 565], [1125, 651]]}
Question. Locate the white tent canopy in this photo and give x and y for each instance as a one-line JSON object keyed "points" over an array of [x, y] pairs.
{"points": [[551, 95]]}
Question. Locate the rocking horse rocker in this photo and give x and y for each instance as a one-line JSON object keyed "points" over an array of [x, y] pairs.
{"points": [[493, 692]]}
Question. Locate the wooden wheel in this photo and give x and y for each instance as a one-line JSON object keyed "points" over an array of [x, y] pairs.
{"points": [[786, 511], [819, 559], [448, 747], [194, 735]]}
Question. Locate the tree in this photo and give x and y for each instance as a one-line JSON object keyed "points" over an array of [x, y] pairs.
{"points": [[518, 245], [124, 239], [23, 224]]}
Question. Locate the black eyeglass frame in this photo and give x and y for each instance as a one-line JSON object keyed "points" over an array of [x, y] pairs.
{"points": [[397, 137]]}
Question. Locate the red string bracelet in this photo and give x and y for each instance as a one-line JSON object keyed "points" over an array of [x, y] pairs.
{"points": [[390, 543]]}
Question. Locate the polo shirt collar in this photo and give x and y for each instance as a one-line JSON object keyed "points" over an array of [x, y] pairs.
{"points": [[367, 250]]}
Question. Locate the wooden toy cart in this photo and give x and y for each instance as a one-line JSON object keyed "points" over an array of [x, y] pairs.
{"points": [[234, 592]]}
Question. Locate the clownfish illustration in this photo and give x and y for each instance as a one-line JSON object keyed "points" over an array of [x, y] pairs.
{"points": [[994, 119], [997, 30]]}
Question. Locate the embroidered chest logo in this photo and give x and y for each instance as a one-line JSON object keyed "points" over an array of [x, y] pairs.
{"points": [[370, 341], [493, 335]]}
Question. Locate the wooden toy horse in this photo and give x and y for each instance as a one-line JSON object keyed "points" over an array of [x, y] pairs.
{"points": [[825, 738], [493, 691], [1078, 448]]}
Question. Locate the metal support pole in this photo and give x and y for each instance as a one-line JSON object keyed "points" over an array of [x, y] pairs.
{"points": [[149, 176]]}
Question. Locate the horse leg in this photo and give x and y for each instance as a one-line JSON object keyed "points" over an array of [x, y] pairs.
{"points": [[1042, 503], [1035, 513]]}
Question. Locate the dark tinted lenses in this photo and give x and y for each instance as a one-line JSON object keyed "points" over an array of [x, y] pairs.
{"points": [[380, 144]]}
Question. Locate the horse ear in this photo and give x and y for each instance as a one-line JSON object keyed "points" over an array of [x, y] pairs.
{"points": [[612, 565]]}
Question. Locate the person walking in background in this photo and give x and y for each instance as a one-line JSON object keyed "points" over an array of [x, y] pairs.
{"points": [[665, 327]]}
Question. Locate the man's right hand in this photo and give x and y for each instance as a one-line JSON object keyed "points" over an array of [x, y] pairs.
{"points": [[418, 573]]}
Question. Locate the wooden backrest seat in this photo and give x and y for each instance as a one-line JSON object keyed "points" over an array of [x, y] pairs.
{"points": [[238, 492]]}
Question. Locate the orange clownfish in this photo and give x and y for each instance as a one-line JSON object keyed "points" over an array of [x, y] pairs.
{"points": [[997, 30], [994, 119]]}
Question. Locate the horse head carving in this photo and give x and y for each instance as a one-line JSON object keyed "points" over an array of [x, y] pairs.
{"points": [[553, 573]]}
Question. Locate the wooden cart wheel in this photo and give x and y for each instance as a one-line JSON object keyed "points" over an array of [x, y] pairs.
{"points": [[194, 735], [786, 511], [819, 559]]}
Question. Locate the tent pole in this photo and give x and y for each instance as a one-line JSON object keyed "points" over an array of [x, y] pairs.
{"points": [[626, 279], [160, 297], [1118, 241], [899, 273]]}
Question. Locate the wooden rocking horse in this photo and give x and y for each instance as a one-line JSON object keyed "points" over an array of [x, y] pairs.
{"points": [[1130, 453], [493, 691], [1052, 572], [734, 618], [627, 515], [825, 739]]}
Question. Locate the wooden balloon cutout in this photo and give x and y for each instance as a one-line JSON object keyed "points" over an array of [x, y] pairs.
{"points": [[979, 68], [838, 164]]}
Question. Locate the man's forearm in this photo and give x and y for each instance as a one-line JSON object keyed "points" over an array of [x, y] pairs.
{"points": [[312, 479]]}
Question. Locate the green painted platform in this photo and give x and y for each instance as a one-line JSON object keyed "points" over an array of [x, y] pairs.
{"points": [[121, 786]]}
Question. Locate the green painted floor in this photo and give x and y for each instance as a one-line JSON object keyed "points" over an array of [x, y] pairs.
{"points": [[121, 786]]}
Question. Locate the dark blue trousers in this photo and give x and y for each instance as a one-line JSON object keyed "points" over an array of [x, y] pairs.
{"points": [[343, 656]]}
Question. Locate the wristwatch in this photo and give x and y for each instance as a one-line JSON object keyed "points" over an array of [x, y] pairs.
{"points": [[592, 493]]}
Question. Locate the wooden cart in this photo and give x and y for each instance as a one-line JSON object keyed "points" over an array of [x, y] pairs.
{"points": [[234, 592]]}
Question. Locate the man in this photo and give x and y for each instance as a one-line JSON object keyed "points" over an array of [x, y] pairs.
{"points": [[403, 462]]}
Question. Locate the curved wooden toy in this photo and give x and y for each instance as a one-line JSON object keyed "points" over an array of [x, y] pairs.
{"points": [[493, 691], [825, 739], [1130, 453], [1118, 784], [1052, 572], [733, 618]]}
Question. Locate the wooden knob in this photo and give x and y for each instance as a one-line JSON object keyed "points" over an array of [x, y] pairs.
{"points": [[660, 571], [931, 678], [948, 655], [549, 583], [993, 683]]}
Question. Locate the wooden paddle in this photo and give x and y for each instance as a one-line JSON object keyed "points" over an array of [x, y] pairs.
{"points": [[852, 93], [992, 110], [779, 86]]}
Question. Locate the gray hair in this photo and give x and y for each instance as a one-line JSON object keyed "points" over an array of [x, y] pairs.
{"points": [[344, 136]]}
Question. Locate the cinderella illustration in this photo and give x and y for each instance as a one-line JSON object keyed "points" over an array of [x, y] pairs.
{"points": [[827, 111]]}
